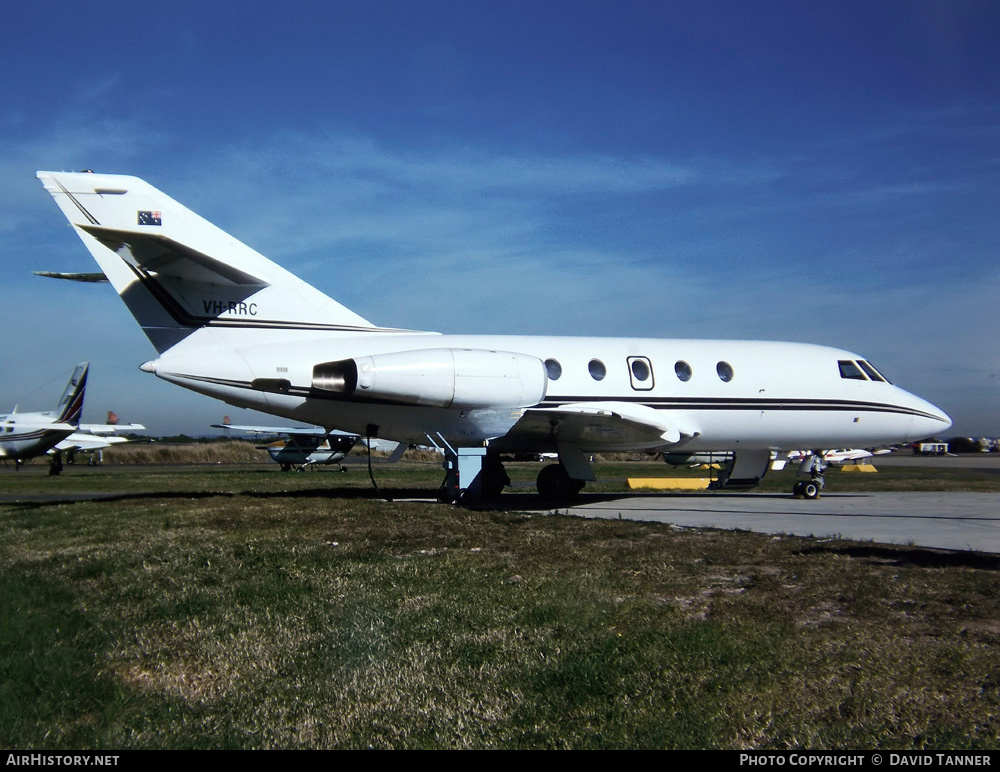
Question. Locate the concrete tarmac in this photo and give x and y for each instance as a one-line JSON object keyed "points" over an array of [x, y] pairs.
{"points": [[953, 521]]}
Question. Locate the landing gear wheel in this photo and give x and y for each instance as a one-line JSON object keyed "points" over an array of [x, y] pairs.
{"points": [[797, 488], [810, 490], [555, 484], [286, 467], [493, 478]]}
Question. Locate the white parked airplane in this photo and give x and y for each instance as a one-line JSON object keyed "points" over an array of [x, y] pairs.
{"points": [[229, 323], [94, 438], [306, 445], [835, 457], [314, 446], [26, 435]]}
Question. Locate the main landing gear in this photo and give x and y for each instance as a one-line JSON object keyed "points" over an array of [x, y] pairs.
{"points": [[555, 484], [813, 466], [471, 474], [476, 474], [493, 477]]}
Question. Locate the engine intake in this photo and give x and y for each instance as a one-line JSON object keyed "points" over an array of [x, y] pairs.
{"points": [[443, 377]]}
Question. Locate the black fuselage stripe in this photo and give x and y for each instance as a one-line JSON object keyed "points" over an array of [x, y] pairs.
{"points": [[35, 435], [750, 403], [651, 401], [790, 405]]}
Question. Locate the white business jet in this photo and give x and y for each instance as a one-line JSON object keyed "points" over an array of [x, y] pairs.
{"points": [[229, 323]]}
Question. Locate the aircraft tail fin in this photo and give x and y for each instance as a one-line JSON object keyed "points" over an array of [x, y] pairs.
{"points": [[179, 274], [70, 406]]}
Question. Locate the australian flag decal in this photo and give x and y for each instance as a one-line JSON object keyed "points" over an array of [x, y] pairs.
{"points": [[149, 218]]}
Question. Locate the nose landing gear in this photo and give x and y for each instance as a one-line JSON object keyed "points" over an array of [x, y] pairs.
{"points": [[813, 466]]}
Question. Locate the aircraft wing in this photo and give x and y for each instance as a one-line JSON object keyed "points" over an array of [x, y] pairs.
{"points": [[86, 442], [103, 430], [604, 426], [289, 430], [89, 278]]}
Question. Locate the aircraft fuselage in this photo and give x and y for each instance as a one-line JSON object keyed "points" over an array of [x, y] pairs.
{"points": [[26, 435], [725, 395]]}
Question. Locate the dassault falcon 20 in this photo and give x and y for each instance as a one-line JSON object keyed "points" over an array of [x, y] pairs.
{"points": [[229, 323]]}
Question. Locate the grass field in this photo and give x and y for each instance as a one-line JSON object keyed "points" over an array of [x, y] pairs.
{"points": [[239, 607]]}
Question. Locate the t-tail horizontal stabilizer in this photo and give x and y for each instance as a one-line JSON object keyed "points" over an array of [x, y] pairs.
{"points": [[178, 273]]}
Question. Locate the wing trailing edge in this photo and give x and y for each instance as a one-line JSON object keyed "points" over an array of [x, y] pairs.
{"points": [[607, 426]]}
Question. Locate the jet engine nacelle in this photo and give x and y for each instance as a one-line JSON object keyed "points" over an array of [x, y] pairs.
{"points": [[439, 377]]}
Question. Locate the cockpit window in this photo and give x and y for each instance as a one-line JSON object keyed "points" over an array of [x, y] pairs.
{"points": [[850, 370], [874, 374]]}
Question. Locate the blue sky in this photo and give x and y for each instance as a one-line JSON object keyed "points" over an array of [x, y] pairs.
{"points": [[823, 172]]}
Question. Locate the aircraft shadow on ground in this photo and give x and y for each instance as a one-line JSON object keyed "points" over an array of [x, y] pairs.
{"points": [[922, 557], [509, 501]]}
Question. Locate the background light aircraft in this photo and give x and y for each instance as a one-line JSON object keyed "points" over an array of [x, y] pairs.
{"points": [[836, 457], [229, 323], [305, 446], [313, 446], [94, 438], [26, 435], [778, 460]]}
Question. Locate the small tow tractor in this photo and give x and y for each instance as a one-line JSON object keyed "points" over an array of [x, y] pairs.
{"points": [[812, 467]]}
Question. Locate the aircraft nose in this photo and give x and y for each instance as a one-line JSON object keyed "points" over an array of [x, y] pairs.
{"points": [[930, 421]]}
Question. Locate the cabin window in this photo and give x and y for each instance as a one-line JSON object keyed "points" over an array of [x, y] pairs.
{"points": [[641, 373], [850, 370], [553, 368], [597, 369], [874, 374], [725, 371], [683, 370]]}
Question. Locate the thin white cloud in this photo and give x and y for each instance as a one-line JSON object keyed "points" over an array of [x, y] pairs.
{"points": [[75, 141], [475, 239], [96, 91]]}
